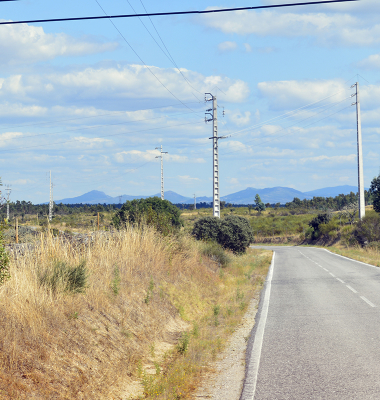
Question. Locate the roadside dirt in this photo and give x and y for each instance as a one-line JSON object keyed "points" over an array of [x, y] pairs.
{"points": [[226, 380]]}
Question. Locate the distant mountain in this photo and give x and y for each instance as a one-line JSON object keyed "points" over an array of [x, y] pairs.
{"points": [[333, 191], [269, 195]]}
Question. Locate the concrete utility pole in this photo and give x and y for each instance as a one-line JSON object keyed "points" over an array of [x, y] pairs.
{"points": [[215, 154], [8, 189], [51, 200], [360, 153], [195, 202], [162, 170]]}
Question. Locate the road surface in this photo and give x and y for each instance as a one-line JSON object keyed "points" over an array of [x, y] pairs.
{"points": [[317, 331]]}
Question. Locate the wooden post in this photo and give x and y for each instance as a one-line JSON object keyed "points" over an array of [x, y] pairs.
{"points": [[16, 230], [98, 221]]}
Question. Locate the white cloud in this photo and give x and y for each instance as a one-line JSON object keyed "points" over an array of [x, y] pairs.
{"points": [[136, 156], [92, 142], [248, 48], [227, 46], [329, 28], [7, 136], [187, 179], [116, 84], [292, 94], [239, 119], [20, 44], [351, 159]]}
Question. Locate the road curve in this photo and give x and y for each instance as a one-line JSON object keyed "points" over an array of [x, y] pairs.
{"points": [[317, 331]]}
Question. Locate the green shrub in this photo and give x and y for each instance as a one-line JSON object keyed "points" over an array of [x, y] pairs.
{"points": [[233, 232], [216, 252], [315, 223], [65, 278], [236, 234], [161, 214], [207, 228], [367, 230]]}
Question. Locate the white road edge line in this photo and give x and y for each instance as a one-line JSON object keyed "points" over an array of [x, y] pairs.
{"points": [[254, 363], [347, 258], [367, 301], [351, 288]]}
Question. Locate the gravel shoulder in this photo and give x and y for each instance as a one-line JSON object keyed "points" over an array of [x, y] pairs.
{"points": [[226, 380]]}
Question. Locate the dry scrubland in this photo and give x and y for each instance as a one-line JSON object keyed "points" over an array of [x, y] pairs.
{"points": [[142, 292]]}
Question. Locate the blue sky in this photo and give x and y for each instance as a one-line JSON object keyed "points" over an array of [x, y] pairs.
{"points": [[78, 99]]}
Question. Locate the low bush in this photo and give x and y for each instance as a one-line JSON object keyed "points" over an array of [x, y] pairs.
{"points": [[63, 277], [233, 232], [216, 252], [367, 230], [207, 228]]}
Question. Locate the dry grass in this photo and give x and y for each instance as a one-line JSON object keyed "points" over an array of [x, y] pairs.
{"points": [[57, 345]]}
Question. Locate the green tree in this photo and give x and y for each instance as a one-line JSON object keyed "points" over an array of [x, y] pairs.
{"points": [[260, 206], [374, 191]]}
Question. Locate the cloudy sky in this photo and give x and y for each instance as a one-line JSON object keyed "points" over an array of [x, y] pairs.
{"points": [[91, 100]]}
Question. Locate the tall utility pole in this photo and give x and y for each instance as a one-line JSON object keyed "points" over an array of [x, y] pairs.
{"points": [[195, 202], [8, 189], [215, 154], [51, 200], [360, 153], [162, 170]]}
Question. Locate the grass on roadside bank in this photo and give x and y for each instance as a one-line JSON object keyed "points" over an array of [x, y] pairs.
{"points": [[79, 321]]}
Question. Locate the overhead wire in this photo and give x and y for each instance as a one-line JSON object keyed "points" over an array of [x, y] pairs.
{"points": [[55, 122], [101, 136], [220, 10], [146, 66], [100, 126], [167, 53]]}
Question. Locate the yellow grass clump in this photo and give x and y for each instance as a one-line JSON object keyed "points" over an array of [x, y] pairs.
{"points": [[59, 344]]}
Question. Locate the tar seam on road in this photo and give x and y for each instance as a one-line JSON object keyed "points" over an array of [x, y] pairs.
{"points": [[256, 341]]}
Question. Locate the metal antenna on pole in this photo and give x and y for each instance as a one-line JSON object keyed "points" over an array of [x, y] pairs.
{"points": [[8, 189], [215, 156], [162, 170], [360, 152], [195, 202]]}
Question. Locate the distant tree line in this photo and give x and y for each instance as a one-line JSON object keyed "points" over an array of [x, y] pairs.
{"points": [[22, 208], [329, 203]]}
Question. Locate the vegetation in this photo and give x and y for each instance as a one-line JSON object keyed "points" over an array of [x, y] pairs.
{"points": [[233, 232], [375, 193], [60, 341], [153, 211]]}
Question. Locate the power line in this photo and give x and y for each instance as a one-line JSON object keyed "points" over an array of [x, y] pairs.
{"points": [[167, 53], [55, 122], [103, 136], [101, 126], [172, 13], [146, 66]]}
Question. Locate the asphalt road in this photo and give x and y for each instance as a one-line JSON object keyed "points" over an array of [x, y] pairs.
{"points": [[317, 331]]}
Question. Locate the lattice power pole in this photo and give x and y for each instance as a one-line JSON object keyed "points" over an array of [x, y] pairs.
{"points": [[215, 154], [162, 170], [195, 202], [8, 189], [360, 153]]}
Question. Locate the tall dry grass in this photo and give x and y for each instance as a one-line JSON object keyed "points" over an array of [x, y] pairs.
{"points": [[57, 345]]}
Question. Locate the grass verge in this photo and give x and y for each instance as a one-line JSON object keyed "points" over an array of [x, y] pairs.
{"points": [[79, 321]]}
